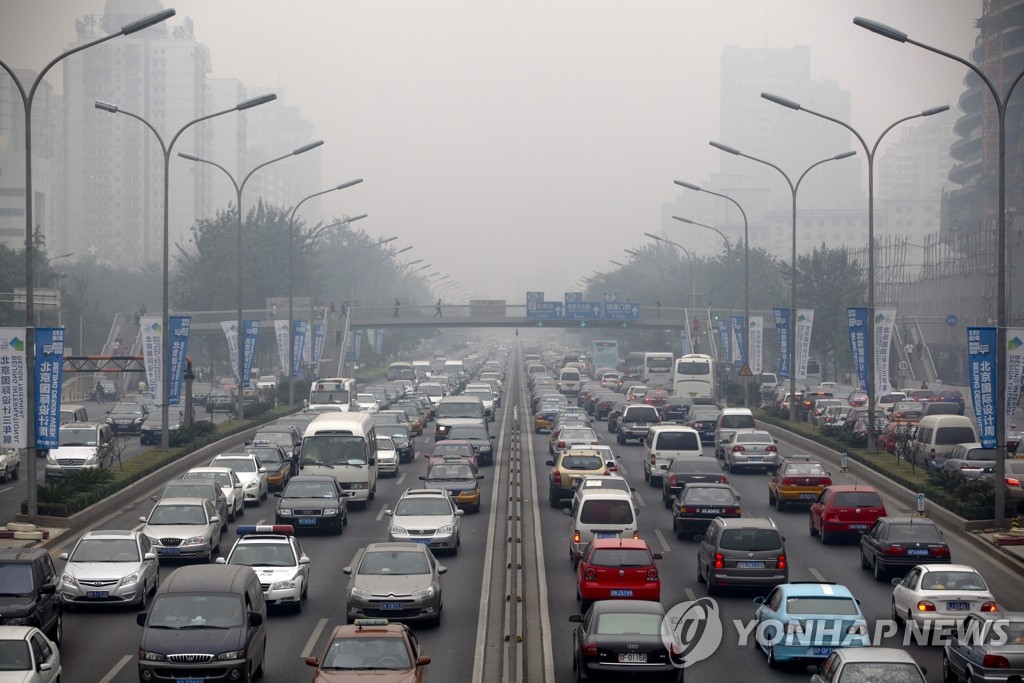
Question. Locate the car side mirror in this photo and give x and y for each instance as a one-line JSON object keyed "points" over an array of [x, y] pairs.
{"points": [[663, 467], [441, 569], [238, 485], [346, 570], [422, 478], [304, 560], [140, 618], [154, 498], [312, 661], [566, 511], [896, 582], [479, 476], [460, 512], [215, 518], [277, 495], [422, 660], [576, 618], [657, 556], [255, 618], [549, 463], [220, 560], [388, 513], [62, 556], [142, 519]]}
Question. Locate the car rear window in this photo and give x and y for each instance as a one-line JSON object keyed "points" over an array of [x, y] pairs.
{"points": [[980, 454], [628, 624], [872, 672], [641, 414], [582, 462], [914, 533], [750, 539], [569, 376], [620, 557], [678, 441], [821, 605], [701, 495], [857, 499], [737, 421], [700, 464], [606, 512], [951, 436]]}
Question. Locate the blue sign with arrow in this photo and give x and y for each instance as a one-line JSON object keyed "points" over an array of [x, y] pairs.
{"points": [[546, 310], [583, 310], [620, 311]]}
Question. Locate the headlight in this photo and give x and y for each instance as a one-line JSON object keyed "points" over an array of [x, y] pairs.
{"points": [[145, 656], [231, 654], [330, 511], [52, 461], [359, 485], [153, 540], [283, 584], [284, 512], [253, 483], [129, 580], [359, 594], [91, 461], [423, 594], [68, 580], [446, 529], [194, 540], [137, 420], [399, 530]]}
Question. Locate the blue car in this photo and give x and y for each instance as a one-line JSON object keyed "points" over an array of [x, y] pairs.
{"points": [[805, 621]]}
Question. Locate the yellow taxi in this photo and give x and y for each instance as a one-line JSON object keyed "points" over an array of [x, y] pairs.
{"points": [[371, 649], [570, 466], [544, 418], [798, 480]]}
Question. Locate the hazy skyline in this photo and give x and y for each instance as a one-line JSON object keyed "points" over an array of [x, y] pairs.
{"points": [[518, 146]]}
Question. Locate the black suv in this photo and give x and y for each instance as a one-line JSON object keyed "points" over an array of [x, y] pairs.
{"points": [[28, 591]]}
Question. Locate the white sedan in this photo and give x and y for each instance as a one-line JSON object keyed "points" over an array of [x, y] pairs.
{"points": [[27, 655], [229, 483], [940, 595], [252, 475]]}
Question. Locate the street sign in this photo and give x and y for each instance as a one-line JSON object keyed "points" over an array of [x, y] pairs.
{"points": [[952, 320], [534, 297], [582, 310], [573, 297], [745, 371], [920, 505], [620, 311], [612, 297], [546, 310], [904, 365]]}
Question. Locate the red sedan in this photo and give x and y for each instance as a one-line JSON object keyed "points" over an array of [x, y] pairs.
{"points": [[617, 568]]}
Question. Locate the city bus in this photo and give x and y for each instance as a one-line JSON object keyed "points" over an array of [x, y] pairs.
{"points": [[657, 370], [694, 376], [401, 370]]}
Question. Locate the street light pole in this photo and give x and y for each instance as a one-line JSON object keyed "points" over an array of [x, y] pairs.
{"points": [[59, 276], [689, 257], [290, 371], [999, 475], [27, 99], [746, 277], [625, 283], [661, 273], [165, 375], [870, 153], [709, 227], [239, 187]]}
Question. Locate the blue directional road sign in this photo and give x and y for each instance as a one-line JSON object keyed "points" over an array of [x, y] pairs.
{"points": [[620, 311], [546, 310], [573, 297], [583, 310]]}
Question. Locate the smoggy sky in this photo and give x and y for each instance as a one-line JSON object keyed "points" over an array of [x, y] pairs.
{"points": [[520, 145]]}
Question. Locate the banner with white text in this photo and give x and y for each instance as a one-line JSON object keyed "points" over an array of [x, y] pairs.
{"points": [[48, 382], [1014, 366], [723, 331], [885, 323], [319, 329], [739, 343], [250, 333], [981, 361], [300, 343], [857, 321], [281, 333], [804, 325], [231, 334], [180, 326], [13, 378], [151, 329], [782, 331], [756, 341]]}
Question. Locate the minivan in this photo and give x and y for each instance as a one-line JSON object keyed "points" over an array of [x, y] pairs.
{"points": [[29, 587], [343, 446], [73, 413], [729, 420], [665, 443], [206, 622], [453, 410], [936, 437], [602, 514], [743, 552], [569, 381]]}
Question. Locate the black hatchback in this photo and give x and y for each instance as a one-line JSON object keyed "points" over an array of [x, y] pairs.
{"points": [[619, 638]]}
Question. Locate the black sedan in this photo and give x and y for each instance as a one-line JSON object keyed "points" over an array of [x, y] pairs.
{"points": [[895, 544], [400, 436], [313, 502], [478, 436], [152, 427], [220, 399], [686, 470], [676, 409], [616, 639], [698, 504], [705, 422]]}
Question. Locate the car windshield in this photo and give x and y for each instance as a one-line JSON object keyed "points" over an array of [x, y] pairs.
{"points": [[881, 672], [751, 539], [334, 449], [806, 604], [196, 611], [106, 550], [389, 654], [913, 533], [263, 555], [309, 489], [621, 557], [384, 443], [339, 397], [126, 410], [606, 512], [953, 581], [177, 514], [457, 409], [857, 499], [623, 624], [704, 495], [450, 472], [280, 438], [951, 436], [187, 490], [582, 462], [16, 578], [577, 435], [468, 432], [241, 465], [423, 507], [14, 656], [69, 436], [390, 562], [736, 421]]}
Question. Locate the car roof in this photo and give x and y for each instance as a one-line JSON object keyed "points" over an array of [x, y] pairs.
{"points": [[111, 533], [747, 522], [376, 630], [815, 589], [182, 501], [875, 654], [395, 545]]}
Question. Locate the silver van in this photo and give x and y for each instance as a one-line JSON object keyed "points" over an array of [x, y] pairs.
{"points": [[665, 443], [729, 420], [743, 552]]}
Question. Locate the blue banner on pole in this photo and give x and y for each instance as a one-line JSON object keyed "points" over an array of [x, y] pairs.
{"points": [[357, 345], [299, 343], [857, 320], [723, 332], [319, 329], [180, 326], [48, 381], [739, 342], [782, 329], [378, 340], [981, 358], [684, 343], [250, 332]]}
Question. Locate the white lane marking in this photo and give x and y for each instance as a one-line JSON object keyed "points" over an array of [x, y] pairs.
{"points": [[9, 488], [261, 521], [313, 637], [547, 655], [665, 548], [818, 575], [380, 515], [117, 667], [622, 469], [640, 501], [690, 595], [401, 478]]}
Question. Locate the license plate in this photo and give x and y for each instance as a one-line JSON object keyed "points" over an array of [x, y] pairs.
{"points": [[307, 521], [169, 551], [712, 511], [750, 565], [859, 527], [753, 458], [809, 496], [958, 606], [97, 594], [917, 552], [188, 680], [822, 651], [424, 541], [621, 593], [606, 534], [390, 605], [632, 658]]}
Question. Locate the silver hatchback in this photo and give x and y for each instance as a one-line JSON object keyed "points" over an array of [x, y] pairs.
{"points": [[110, 568]]}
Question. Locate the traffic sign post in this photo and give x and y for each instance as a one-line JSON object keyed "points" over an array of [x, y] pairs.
{"points": [[582, 310], [920, 505], [843, 461], [620, 311]]}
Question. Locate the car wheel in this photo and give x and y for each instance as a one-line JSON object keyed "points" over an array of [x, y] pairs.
{"points": [[948, 675], [647, 474], [344, 520], [231, 514], [553, 498], [619, 439], [261, 670], [779, 504], [263, 496], [58, 630], [665, 499], [864, 561], [772, 662], [814, 529], [143, 602], [825, 538], [241, 509], [878, 570], [585, 605], [224, 526], [373, 491], [895, 615], [771, 499], [16, 472]]}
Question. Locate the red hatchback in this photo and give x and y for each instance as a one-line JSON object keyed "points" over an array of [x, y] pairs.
{"points": [[845, 510], [617, 568]]}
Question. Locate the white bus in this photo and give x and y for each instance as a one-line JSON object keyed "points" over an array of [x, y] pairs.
{"points": [[331, 393], [657, 370], [694, 376], [401, 370], [343, 446]]}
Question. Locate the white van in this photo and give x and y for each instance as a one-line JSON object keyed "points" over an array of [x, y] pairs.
{"points": [[569, 381], [602, 514], [331, 393], [665, 443], [938, 435], [729, 420], [343, 446]]}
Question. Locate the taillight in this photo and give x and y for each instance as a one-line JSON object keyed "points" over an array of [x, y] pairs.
{"points": [[895, 550], [611, 468], [942, 551], [576, 536], [772, 449], [990, 607], [590, 650], [737, 449], [636, 535], [780, 562], [995, 662], [671, 478], [561, 444], [556, 478], [719, 561], [786, 481], [590, 574], [1013, 482], [925, 606], [825, 482], [723, 479], [652, 575]]}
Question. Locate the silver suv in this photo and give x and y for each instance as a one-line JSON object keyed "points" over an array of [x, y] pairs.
{"points": [[427, 516], [743, 552]]}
